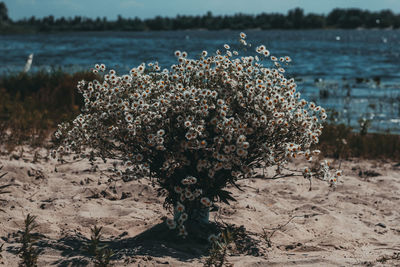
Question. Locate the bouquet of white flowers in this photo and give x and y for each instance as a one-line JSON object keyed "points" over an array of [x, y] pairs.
{"points": [[198, 126]]}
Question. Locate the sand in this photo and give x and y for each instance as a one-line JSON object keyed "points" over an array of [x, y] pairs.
{"points": [[356, 223]]}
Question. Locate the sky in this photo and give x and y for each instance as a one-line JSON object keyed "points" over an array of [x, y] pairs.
{"points": [[18, 9]]}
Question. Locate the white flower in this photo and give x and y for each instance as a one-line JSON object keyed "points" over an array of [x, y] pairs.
{"points": [[171, 224], [205, 201], [188, 124], [179, 207]]}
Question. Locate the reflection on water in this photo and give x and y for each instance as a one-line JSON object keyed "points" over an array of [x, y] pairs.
{"points": [[356, 72]]}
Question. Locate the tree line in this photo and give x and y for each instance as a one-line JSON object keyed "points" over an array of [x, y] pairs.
{"points": [[294, 19]]}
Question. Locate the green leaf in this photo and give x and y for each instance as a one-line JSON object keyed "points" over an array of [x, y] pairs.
{"points": [[224, 196]]}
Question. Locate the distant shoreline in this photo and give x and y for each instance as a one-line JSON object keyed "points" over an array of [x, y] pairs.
{"points": [[295, 19], [27, 32]]}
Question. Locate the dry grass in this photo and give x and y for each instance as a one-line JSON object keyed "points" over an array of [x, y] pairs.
{"points": [[339, 141], [31, 105]]}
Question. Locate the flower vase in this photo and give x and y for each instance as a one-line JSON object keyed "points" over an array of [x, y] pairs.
{"points": [[196, 216]]}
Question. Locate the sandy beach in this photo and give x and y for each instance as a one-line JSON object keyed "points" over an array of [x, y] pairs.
{"points": [[356, 223]]}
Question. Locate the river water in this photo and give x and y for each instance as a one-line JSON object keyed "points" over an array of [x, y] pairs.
{"points": [[355, 72]]}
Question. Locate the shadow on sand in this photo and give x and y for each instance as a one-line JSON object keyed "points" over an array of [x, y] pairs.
{"points": [[158, 241]]}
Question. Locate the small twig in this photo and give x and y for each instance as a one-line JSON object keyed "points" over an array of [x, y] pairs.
{"points": [[268, 237], [396, 249], [275, 177], [138, 218], [217, 217], [29, 198], [285, 168], [84, 190], [68, 162]]}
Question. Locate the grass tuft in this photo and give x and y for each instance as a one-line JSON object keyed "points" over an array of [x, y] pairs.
{"points": [[29, 252], [3, 187], [219, 250], [231, 240], [100, 253]]}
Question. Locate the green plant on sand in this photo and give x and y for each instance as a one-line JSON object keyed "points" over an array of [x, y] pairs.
{"points": [[100, 253], [28, 252]]}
